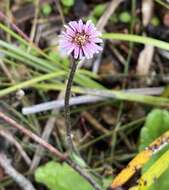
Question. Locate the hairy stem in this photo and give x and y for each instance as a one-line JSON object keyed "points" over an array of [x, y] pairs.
{"points": [[70, 145], [67, 107]]}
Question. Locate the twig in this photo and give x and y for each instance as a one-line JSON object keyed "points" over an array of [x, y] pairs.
{"points": [[45, 136], [107, 14], [14, 26], [67, 107], [33, 29], [60, 104], [33, 136], [11, 139], [59, 8], [95, 123], [53, 150], [97, 61], [5, 69], [24, 183], [21, 33], [85, 100]]}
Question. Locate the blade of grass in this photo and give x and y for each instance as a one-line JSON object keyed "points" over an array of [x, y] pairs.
{"points": [[162, 3], [40, 67], [31, 82], [121, 95], [26, 55], [82, 77], [137, 39], [23, 41]]}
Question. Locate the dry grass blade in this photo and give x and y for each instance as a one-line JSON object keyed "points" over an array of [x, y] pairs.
{"points": [[147, 11], [145, 60], [11, 139], [24, 183]]}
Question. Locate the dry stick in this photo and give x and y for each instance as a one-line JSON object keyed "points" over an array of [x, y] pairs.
{"points": [[14, 26], [6, 71], [59, 8], [51, 121], [20, 32], [107, 14], [33, 136], [95, 124], [33, 29], [45, 136], [67, 106], [85, 99], [77, 100], [52, 149], [24, 183], [12, 140]]}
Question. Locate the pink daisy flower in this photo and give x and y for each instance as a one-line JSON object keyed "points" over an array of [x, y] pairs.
{"points": [[80, 40]]}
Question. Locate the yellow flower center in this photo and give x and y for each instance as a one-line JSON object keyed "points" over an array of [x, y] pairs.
{"points": [[80, 39]]}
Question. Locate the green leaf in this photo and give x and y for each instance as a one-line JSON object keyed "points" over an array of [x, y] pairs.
{"points": [[151, 176], [46, 9], [107, 181], [68, 3], [157, 123], [155, 21], [61, 177], [125, 17], [98, 10]]}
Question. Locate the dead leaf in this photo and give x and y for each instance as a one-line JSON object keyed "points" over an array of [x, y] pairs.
{"points": [[147, 11], [145, 60]]}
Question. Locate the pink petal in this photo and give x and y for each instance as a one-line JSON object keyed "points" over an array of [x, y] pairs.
{"points": [[70, 31], [80, 53], [96, 47], [95, 40], [95, 33], [90, 27], [87, 52], [73, 25], [87, 25], [64, 42], [66, 36], [80, 26], [76, 52], [71, 48], [91, 47]]}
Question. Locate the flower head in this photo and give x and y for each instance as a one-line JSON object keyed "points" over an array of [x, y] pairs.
{"points": [[80, 39]]}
